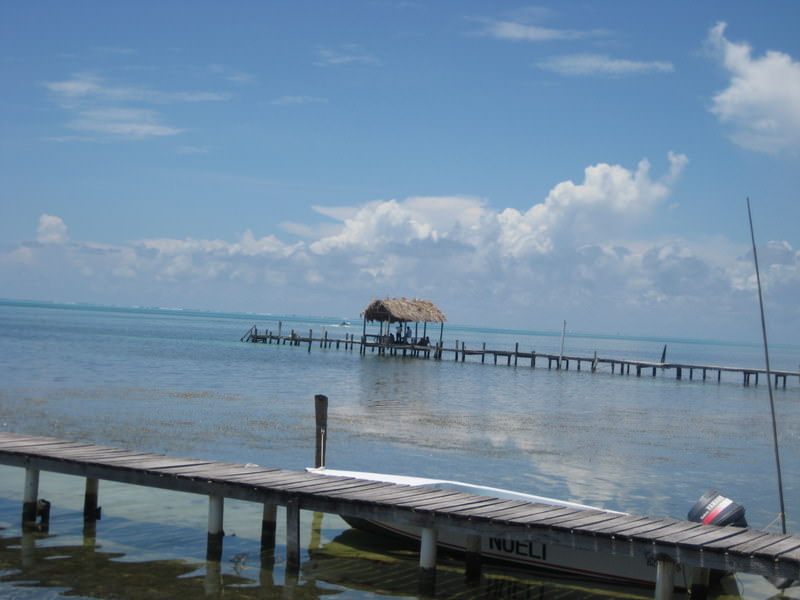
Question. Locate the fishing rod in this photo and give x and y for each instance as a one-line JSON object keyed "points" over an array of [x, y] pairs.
{"points": [[769, 380]]}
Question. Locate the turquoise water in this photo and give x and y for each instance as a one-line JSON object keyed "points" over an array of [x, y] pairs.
{"points": [[181, 383]]}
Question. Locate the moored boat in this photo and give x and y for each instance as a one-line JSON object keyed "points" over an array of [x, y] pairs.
{"points": [[712, 508]]}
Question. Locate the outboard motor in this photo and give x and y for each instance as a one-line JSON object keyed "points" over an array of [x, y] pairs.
{"points": [[715, 509]]}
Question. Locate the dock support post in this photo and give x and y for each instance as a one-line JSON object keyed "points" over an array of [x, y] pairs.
{"points": [[472, 571], [269, 520], [463, 351], [321, 412], [665, 580], [292, 538], [698, 583], [516, 353], [310, 339], [215, 533], [90, 512], [483, 353], [30, 499], [427, 561]]}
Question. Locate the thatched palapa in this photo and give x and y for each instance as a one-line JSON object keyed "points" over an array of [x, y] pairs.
{"points": [[400, 310]]}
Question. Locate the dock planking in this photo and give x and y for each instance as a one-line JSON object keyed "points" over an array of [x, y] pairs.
{"points": [[668, 540]]}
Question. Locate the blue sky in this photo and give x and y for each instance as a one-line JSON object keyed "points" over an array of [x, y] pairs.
{"points": [[518, 164]]}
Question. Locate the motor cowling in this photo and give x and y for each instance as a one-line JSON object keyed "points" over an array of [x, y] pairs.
{"points": [[715, 509]]}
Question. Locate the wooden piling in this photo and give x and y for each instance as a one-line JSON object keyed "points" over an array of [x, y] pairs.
{"points": [[427, 562], [321, 412], [472, 572], [30, 498], [293, 537], [215, 532], [90, 510], [665, 580], [269, 521]]}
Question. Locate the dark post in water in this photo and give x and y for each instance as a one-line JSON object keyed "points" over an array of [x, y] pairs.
{"points": [[321, 409]]}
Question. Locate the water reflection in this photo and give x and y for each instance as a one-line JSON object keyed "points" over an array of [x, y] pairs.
{"points": [[353, 562]]}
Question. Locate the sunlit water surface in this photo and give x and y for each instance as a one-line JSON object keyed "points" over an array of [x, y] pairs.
{"points": [[183, 384]]}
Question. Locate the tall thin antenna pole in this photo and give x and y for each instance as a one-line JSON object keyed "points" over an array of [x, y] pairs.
{"points": [[769, 378]]}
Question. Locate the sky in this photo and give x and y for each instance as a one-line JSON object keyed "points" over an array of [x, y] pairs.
{"points": [[519, 165]]}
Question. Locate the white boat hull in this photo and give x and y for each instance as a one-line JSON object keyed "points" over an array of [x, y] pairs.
{"points": [[520, 553]]}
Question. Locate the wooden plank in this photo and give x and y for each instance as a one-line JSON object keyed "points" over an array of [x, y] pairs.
{"points": [[779, 547], [642, 531], [432, 498], [455, 503], [536, 513], [490, 506], [723, 538], [563, 519], [682, 531], [598, 518]]}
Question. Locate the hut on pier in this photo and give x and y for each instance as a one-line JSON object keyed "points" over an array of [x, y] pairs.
{"points": [[403, 312]]}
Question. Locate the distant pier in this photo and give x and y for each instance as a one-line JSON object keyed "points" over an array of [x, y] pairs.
{"points": [[516, 357]]}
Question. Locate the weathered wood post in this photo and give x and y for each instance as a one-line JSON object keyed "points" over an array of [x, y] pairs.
{"points": [[30, 498], [310, 338], [215, 532], [516, 353], [699, 579], [292, 538], [472, 571], [427, 561], [483, 353], [665, 580], [90, 510], [321, 412], [463, 351], [269, 520]]}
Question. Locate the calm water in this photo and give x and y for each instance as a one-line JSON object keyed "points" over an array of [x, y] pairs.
{"points": [[181, 383]]}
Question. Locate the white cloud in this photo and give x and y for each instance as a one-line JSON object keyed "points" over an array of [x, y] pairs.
{"points": [[51, 230], [346, 55], [112, 112], [122, 123], [576, 252], [761, 102], [602, 65], [85, 87], [521, 32], [292, 100]]}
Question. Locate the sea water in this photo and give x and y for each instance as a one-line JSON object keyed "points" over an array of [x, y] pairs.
{"points": [[182, 383]]}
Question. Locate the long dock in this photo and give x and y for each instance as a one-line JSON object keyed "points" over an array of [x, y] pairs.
{"points": [[459, 353], [670, 544]]}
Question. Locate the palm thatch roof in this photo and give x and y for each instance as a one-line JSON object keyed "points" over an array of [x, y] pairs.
{"points": [[401, 310]]}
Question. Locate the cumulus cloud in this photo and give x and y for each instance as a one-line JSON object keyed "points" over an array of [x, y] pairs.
{"points": [[602, 65], [576, 252], [51, 230], [760, 103]]}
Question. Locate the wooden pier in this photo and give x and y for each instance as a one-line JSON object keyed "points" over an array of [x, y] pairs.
{"points": [[670, 544], [516, 357]]}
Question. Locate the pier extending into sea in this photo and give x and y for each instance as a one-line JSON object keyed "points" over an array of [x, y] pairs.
{"points": [[459, 352], [670, 544]]}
